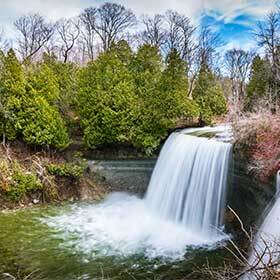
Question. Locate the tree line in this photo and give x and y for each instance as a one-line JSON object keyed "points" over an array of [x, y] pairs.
{"points": [[120, 97], [93, 74]]}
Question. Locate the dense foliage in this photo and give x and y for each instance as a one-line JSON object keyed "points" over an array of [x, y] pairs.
{"points": [[209, 95], [135, 98], [106, 99], [120, 97], [28, 108]]}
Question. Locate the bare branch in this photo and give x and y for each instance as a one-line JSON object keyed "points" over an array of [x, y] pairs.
{"points": [[154, 32], [209, 41], [34, 34], [68, 31], [109, 22]]}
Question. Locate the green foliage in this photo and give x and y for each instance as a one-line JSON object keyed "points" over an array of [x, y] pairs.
{"points": [[259, 84], [149, 124], [13, 80], [12, 86], [209, 96], [66, 76], [174, 84], [130, 98], [44, 82], [106, 100], [28, 110], [40, 123], [121, 97], [15, 181], [66, 170]]}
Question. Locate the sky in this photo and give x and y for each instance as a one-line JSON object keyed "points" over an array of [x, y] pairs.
{"points": [[233, 19]]}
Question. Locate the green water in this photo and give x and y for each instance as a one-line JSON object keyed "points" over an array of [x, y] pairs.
{"points": [[28, 245]]}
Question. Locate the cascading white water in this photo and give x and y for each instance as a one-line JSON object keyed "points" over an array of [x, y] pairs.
{"points": [[188, 184], [182, 207], [266, 246]]}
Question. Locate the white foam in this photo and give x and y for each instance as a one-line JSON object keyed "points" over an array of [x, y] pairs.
{"points": [[124, 225]]}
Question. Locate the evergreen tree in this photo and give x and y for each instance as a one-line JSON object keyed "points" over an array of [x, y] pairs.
{"points": [[27, 114], [66, 75], [41, 123], [209, 96], [259, 83], [123, 51], [11, 91], [44, 81], [150, 123], [174, 85], [106, 99]]}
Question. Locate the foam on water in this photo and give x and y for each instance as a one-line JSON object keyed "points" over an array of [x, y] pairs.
{"points": [[124, 225]]}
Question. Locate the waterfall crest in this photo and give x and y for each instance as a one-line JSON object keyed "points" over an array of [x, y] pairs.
{"points": [[188, 184]]}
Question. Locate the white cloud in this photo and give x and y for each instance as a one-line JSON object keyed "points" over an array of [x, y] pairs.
{"points": [[237, 44], [54, 9], [225, 10]]}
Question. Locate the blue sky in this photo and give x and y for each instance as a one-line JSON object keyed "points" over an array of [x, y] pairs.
{"points": [[236, 33], [233, 19]]}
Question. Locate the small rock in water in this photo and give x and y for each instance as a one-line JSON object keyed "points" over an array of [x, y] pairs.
{"points": [[35, 201]]}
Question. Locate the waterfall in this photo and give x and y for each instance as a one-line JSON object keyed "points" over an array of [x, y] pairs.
{"points": [[266, 246], [182, 208], [188, 185]]}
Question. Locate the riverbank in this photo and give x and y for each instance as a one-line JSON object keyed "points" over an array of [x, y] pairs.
{"points": [[30, 177]]}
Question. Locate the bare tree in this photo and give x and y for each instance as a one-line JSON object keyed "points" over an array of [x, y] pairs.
{"points": [[154, 32], [209, 41], [188, 45], [109, 22], [237, 63], [34, 34], [114, 20], [260, 263], [180, 36], [88, 18], [68, 31], [173, 36], [268, 36]]}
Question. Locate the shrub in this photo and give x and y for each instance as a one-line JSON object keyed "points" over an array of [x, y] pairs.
{"points": [[66, 170], [16, 181]]}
